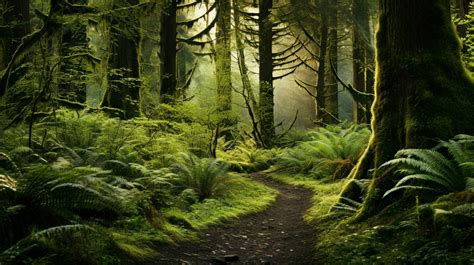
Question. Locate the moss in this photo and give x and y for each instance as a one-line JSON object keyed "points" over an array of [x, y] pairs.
{"points": [[419, 73], [449, 201], [246, 196]]}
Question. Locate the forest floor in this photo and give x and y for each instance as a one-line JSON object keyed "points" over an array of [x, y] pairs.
{"points": [[278, 235]]}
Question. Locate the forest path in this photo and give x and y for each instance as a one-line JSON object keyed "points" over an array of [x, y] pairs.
{"points": [[277, 235]]}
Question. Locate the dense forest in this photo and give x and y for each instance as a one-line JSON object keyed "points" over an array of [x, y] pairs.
{"points": [[236, 132]]}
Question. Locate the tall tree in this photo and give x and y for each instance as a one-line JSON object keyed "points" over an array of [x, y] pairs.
{"points": [[247, 89], [123, 92], [266, 103], [322, 67], [423, 92], [168, 51], [74, 41], [223, 63], [172, 36], [362, 57], [332, 91]]}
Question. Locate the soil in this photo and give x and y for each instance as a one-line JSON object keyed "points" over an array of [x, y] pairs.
{"points": [[277, 235]]}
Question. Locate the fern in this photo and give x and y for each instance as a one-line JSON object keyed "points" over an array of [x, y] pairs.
{"points": [[208, 177], [58, 231], [10, 255], [331, 152], [7, 182], [9, 164], [425, 169]]}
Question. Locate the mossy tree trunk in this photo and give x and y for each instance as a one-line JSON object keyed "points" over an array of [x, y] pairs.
{"points": [[332, 94], [223, 67], [266, 103], [123, 92], [168, 44], [72, 84], [422, 92]]}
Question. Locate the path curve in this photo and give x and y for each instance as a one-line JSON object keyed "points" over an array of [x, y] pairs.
{"points": [[278, 235]]}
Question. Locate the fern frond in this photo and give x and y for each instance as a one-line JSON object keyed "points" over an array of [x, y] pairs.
{"points": [[413, 166], [426, 177], [7, 182], [434, 159], [407, 187], [58, 231], [12, 163], [470, 183]]}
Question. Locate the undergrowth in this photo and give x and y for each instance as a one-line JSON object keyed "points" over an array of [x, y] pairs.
{"points": [[324, 153], [422, 227], [119, 187]]}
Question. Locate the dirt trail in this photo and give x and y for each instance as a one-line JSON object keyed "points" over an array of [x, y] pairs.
{"points": [[277, 235]]}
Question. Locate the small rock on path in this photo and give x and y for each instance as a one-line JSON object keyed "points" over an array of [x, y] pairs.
{"points": [[278, 235]]}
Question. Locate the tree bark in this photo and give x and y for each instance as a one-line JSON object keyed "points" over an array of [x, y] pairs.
{"points": [[74, 40], [223, 67], [266, 103], [422, 93], [321, 84], [168, 52], [362, 58], [332, 94], [247, 89], [123, 92]]}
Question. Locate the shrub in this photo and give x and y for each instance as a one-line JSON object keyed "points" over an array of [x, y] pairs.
{"points": [[206, 176]]}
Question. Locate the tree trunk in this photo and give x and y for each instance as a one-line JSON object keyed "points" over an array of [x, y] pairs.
{"points": [[361, 58], [358, 76], [223, 67], [247, 90], [124, 87], [72, 85], [321, 85], [369, 81], [266, 116], [332, 94], [422, 93], [168, 52]]}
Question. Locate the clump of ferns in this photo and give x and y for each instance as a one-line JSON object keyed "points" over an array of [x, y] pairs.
{"points": [[331, 153], [44, 197], [38, 244], [449, 167], [206, 176], [244, 155]]}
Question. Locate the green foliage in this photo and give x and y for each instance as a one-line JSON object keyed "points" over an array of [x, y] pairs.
{"points": [[244, 156], [207, 177], [329, 153], [424, 169], [468, 40]]}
